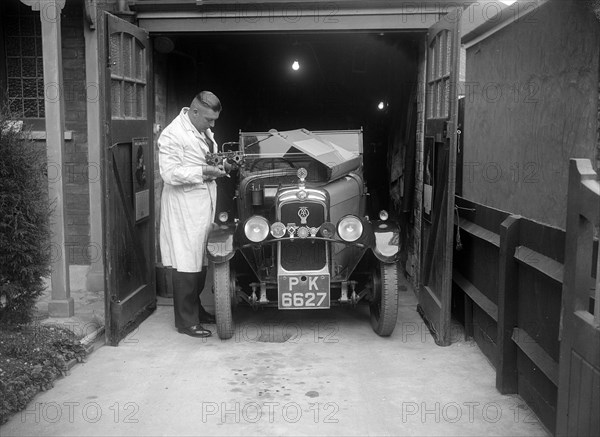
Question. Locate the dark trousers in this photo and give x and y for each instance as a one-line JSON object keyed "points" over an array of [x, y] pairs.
{"points": [[186, 297]]}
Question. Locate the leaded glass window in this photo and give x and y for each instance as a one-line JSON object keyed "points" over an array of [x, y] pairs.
{"points": [[24, 62]]}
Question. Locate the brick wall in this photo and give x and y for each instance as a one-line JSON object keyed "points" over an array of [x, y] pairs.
{"points": [[76, 156]]}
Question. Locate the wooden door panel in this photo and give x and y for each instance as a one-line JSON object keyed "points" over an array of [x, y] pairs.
{"points": [[440, 128], [125, 54], [129, 247], [583, 408], [587, 340], [578, 408]]}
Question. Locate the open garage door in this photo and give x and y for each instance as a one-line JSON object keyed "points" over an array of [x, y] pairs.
{"points": [[127, 166], [439, 161], [579, 371]]}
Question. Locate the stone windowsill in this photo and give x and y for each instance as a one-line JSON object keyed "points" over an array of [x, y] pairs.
{"points": [[40, 135]]}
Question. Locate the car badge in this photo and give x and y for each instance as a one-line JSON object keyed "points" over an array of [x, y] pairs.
{"points": [[303, 213], [313, 231], [302, 195], [303, 232], [278, 229], [291, 228]]}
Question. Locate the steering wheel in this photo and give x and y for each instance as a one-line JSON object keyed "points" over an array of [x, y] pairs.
{"points": [[272, 161]]}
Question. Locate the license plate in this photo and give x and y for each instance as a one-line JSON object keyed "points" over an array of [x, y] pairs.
{"points": [[303, 292]]}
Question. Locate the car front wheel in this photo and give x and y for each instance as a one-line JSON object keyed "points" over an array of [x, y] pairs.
{"points": [[222, 289], [384, 304]]}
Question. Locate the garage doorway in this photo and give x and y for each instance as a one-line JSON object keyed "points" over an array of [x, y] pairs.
{"points": [[344, 80], [230, 48]]}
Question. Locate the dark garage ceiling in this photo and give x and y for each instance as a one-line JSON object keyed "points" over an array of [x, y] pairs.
{"points": [[342, 78]]}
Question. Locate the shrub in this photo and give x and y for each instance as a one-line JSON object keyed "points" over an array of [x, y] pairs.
{"points": [[24, 223], [31, 358]]}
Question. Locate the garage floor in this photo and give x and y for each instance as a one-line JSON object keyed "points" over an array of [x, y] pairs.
{"points": [[283, 373]]}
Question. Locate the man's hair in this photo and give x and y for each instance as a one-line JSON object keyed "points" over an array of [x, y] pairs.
{"points": [[209, 100]]}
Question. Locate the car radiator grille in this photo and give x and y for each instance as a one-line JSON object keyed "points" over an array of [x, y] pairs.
{"points": [[303, 253]]}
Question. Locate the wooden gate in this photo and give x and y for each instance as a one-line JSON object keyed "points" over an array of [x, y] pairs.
{"points": [[578, 410], [441, 107], [128, 188]]}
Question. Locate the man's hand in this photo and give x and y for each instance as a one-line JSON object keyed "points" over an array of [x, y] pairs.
{"points": [[227, 166], [212, 172]]}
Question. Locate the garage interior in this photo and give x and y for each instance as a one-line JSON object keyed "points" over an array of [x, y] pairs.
{"points": [[345, 80]]}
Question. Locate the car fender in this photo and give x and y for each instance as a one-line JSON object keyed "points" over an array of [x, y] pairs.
{"points": [[386, 241], [220, 247]]}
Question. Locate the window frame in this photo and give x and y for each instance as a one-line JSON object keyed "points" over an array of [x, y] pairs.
{"points": [[438, 76], [30, 123], [133, 79]]}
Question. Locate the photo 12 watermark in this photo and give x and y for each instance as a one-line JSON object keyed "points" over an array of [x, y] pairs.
{"points": [[269, 412], [76, 412], [465, 412]]}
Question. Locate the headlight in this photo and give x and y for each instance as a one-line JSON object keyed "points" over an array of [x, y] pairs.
{"points": [[256, 228], [223, 216], [278, 229], [327, 230], [350, 228]]}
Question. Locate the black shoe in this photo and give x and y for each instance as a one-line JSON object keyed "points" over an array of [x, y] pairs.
{"points": [[206, 317], [195, 331]]}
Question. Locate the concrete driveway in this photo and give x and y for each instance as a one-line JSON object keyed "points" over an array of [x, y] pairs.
{"points": [[283, 373]]}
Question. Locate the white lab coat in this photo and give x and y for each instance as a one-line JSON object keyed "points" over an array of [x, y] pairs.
{"points": [[188, 200]]}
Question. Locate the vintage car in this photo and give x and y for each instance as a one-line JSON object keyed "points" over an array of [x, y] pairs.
{"points": [[299, 236]]}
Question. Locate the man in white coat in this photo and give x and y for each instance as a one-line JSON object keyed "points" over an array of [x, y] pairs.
{"points": [[188, 207]]}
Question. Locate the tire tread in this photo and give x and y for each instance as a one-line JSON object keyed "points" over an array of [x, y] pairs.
{"points": [[388, 313], [221, 281]]}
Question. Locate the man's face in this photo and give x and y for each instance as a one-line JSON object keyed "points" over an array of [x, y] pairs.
{"points": [[202, 117]]}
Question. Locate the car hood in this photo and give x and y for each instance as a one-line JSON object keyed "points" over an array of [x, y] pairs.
{"points": [[339, 159]]}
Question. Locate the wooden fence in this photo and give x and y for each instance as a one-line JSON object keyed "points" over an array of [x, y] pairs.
{"points": [[510, 271]]}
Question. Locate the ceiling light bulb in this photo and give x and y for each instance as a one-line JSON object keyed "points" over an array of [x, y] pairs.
{"points": [[295, 66]]}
